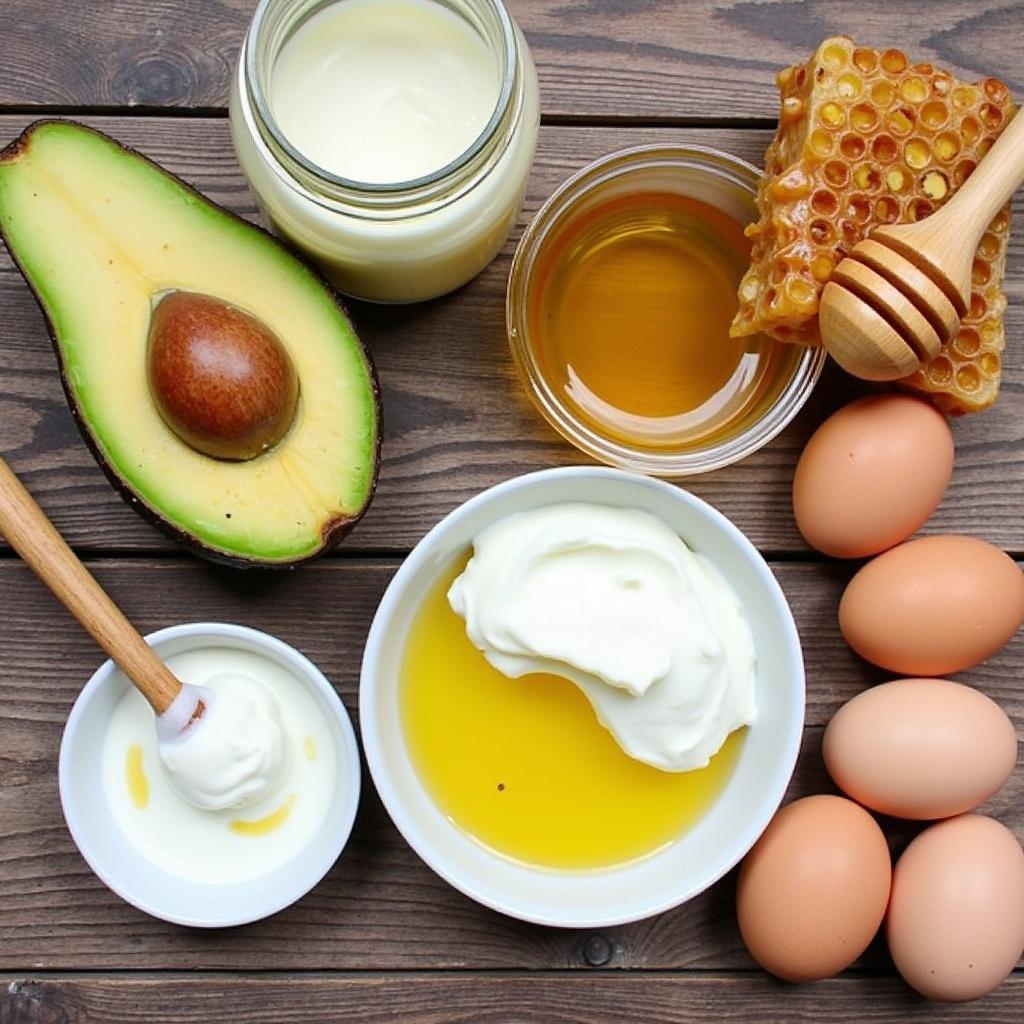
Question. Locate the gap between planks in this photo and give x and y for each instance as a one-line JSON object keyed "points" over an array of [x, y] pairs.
{"points": [[852, 974], [395, 556], [42, 111]]}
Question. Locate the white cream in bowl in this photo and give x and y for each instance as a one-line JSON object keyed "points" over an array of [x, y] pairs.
{"points": [[223, 744], [613, 600], [211, 842]]}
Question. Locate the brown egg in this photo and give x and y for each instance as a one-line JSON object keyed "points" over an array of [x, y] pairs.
{"points": [[220, 378], [813, 890], [872, 474], [933, 606], [920, 748], [956, 920]]}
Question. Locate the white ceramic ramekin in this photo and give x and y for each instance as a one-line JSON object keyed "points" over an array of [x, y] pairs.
{"points": [[124, 868], [589, 899]]}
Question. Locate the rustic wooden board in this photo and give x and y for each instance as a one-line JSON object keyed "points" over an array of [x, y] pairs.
{"points": [[382, 938], [650, 59], [379, 907], [537, 998], [456, 418]]}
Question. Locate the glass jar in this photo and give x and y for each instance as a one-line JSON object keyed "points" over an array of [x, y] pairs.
{"points": [[395, 242], [779, 379]]}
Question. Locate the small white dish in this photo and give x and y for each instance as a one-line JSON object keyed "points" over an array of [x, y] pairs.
{"points": [[599, 898], [124, 868]]}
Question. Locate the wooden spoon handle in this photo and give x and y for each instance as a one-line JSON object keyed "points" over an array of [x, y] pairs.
{"points": [[44, 550], [995, 179], [943, 244]]}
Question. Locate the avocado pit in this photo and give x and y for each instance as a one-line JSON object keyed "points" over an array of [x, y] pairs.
{"points": [[221, 379]]}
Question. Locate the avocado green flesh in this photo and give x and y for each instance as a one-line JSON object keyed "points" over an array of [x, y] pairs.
{"points": [[101, 233]]}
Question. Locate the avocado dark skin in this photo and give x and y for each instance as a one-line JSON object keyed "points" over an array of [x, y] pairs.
{"points": [[334, 526]]}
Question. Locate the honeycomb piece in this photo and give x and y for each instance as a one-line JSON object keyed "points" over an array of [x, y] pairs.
{"points": [[867, 138], [964, 376]]}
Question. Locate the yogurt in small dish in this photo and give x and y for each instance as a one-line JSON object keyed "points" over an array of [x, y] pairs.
{"points": [[173, 859], [206, 842]]}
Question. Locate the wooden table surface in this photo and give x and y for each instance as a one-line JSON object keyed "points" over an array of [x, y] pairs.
{"points": [[382, 938]]}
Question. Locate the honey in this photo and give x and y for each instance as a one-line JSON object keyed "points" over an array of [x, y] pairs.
{"points": [[135, 777], [628, 314], [268, 823], [524, 767]]}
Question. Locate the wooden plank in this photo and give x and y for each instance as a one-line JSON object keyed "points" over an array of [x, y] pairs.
{"points": [[379, 907], [456, 418], [596, 58], [536, 998], [325, 610]]}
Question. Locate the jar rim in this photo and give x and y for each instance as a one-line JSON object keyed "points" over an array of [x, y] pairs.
{"points": [[254, 85], [669, 463]]}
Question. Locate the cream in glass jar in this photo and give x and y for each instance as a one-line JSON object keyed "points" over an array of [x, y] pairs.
{"points": [[391, 140]]}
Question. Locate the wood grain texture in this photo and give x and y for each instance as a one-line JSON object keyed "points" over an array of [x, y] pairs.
{"points": [[653, 59], [379, 907], [456, 419], [47, 554], [537, 998], [383, 939]]}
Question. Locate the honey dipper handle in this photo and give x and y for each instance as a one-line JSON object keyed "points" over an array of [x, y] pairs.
{"points": [[995, 179], [45, 552], [944, 244]]}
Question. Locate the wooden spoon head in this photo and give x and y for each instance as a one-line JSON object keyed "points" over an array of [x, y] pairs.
{"points": [[860, 339], [891, 304], [941, 249], [927, 296]]}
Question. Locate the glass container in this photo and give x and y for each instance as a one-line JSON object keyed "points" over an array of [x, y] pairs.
{"points": [[706, 176], [395, 242]]}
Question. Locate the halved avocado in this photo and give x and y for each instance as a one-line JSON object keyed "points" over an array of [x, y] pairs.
{"points": [[102, 234]]}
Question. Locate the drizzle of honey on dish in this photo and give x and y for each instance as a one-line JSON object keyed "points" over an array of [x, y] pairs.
{"points": [[629, 312], [524, 767], [135, 777], [309, 748], [269, 823]]}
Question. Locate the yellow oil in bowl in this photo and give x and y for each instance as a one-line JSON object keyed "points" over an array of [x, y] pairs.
{"points": [[524, 767]]}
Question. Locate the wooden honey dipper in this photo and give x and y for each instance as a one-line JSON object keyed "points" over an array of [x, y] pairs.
{"points": [[898, 297]]}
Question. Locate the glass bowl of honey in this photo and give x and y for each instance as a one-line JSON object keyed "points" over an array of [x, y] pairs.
{"points": [[619, 303]]}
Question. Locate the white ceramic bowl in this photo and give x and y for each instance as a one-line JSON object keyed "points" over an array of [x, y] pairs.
{"points": [[589, 899], [124, 868]]}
